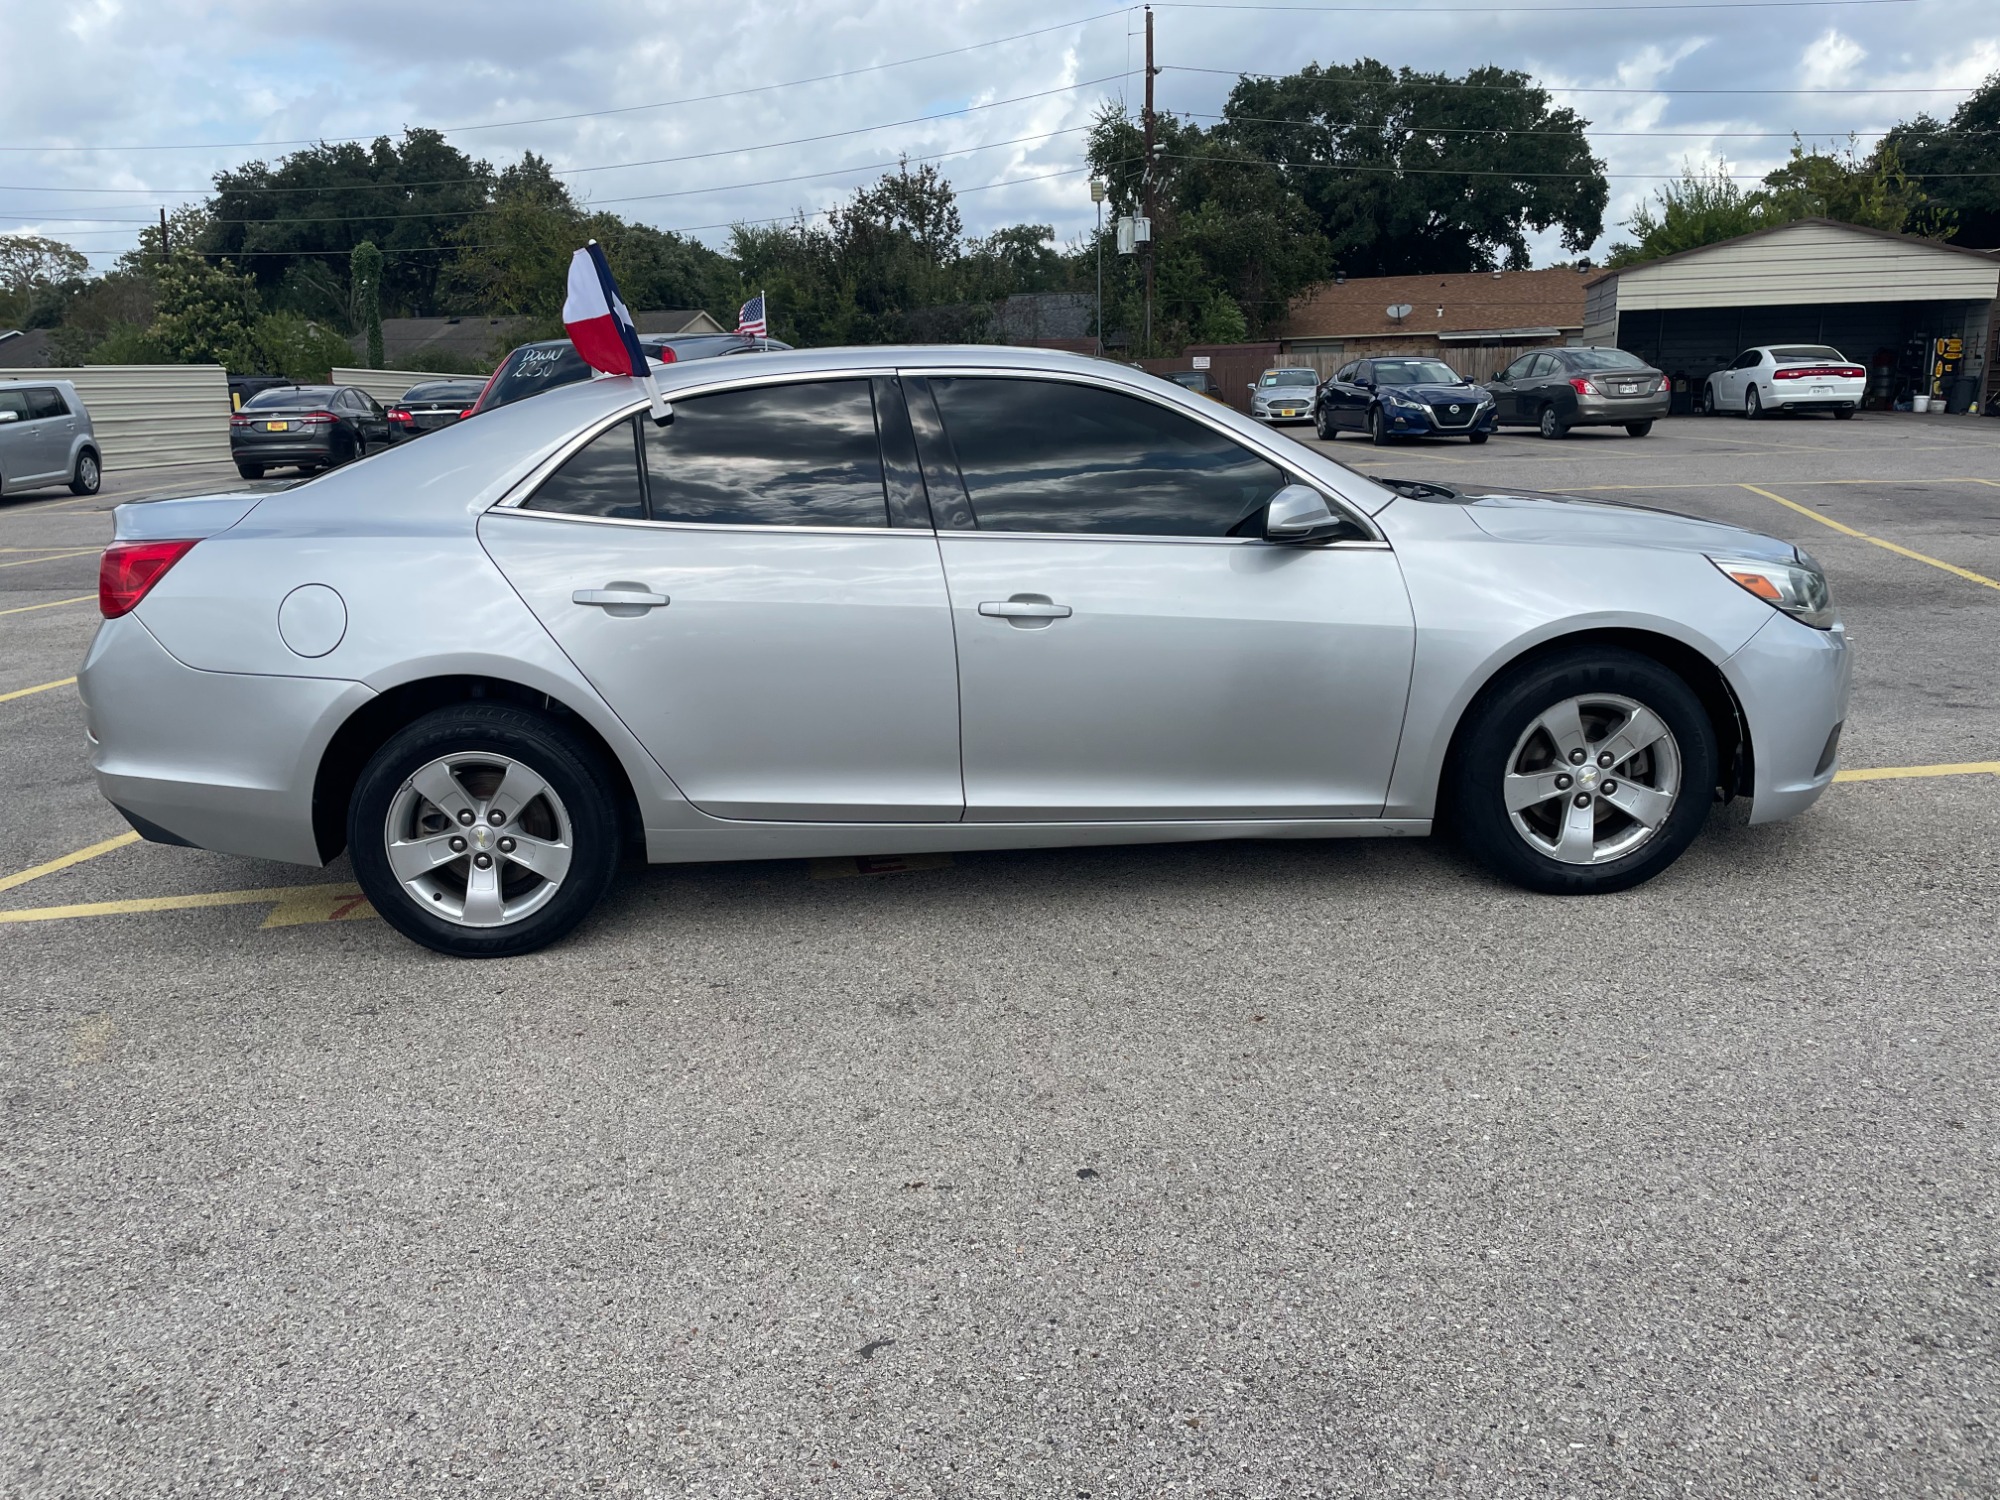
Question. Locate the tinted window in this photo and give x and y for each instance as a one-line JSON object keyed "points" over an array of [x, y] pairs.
{"points": [[1806, 353], [1415, 372], [298, 398], [1047, 456], [44, 402], [15, 402], [1545, 364], [1605, 359], [535, 368], [443, 393], [1345, 372], [1519, 368], [599, 479], [1748, 358], [774, 455]]}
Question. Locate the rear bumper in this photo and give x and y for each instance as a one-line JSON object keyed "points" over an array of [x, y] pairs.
{"points": [[1792, 682], [1615, 411], [218, 760], [281, 448]]}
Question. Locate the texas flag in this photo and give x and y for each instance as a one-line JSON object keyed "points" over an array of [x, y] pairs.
{"points": [[597, 321]]}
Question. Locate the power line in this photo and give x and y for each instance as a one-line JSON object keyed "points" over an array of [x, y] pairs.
{"points": [[1493, 10], [1594, 133], [1402, 171], [626, 109], [1550, 88], [656, 161]]}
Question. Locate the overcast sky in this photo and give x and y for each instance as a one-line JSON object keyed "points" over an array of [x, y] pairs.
{"points": [[172, 87]]}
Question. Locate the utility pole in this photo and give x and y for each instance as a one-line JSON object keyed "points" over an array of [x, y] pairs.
{"points": [[1097, 197], [1146, 178], [165, 248]]}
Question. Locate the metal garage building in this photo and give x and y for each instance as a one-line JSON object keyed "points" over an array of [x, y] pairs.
{"points": [[1879, 298]]}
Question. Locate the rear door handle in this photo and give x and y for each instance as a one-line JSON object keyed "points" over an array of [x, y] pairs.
{"points": [[627, 596], [1024, 609]]}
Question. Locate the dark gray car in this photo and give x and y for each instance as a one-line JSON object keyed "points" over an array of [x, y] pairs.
{"points": [[1557, 389], [310, 427]]}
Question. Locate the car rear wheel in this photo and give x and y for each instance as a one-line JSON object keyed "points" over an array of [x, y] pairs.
{"points": [[89, 474], [1638, 429], [251, 471], [484, 831], [1584, 772], [1843, 413], [1753, 406], [1553, 425]]}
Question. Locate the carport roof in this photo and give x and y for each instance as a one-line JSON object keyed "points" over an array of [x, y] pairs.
{"points": [[1989, 256]]}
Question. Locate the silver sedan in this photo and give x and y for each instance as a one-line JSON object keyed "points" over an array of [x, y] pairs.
{"points": [[882, 601]]}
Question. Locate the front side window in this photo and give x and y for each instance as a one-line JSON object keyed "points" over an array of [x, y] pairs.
{"points": [[600, 479], [772, 455], [16, 403], [1346, 372], [1519, 368], [1051, 456], [45, 402]]}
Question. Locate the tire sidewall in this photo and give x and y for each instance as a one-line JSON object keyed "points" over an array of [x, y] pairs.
{"points": [[1753, 404], [545, 747], [88, 463], [1494, 725]]}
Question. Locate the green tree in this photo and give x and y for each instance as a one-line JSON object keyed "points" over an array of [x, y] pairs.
{"points": [[365, 276], [37, 278], [1410, 172], [297, 347], [1956, 166], [206, 312], [1699, 207]]}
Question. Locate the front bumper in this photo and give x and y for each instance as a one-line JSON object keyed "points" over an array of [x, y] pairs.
{"points": [[1423, 422], [218, 760], [1792, 683], [1275, 415]]}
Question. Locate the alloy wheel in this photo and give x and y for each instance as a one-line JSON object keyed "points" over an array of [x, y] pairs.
{"points": [[478, 839], [1592, 779]]}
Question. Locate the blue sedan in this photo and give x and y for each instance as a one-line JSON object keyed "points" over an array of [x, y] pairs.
{"points": [[1403, 397]]}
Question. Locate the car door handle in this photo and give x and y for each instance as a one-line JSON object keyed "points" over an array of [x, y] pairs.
{"points": [[1024, 609], [612, 598]]}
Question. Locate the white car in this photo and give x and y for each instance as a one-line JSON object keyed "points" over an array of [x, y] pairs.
{"points": [[1786, 377]]}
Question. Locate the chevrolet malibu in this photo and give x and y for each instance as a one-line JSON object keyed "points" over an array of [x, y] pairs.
{"points": [[869, 601]]}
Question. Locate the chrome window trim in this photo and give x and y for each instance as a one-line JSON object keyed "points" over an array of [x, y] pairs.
{"points": [[557, 515], [1076, 377]]}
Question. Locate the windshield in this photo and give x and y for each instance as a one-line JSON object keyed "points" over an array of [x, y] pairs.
{"points": [[534, 368], [289, 397], [1604, 359], [1289, 377], [1194, 380], [1808, 353], [1415, 372]]}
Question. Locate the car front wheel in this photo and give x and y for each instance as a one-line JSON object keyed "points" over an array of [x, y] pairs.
{"points": [[484, 831], [1378, 427], [1708, 401], [1322, 426], [1583, 772], [1753, 405], [1476, 438]]}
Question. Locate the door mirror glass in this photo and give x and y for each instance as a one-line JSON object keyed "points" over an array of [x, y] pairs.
{"points": [[1299, 513]]}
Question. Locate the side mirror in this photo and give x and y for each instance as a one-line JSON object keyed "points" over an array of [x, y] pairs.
{"points": [[1299, 513], [10, 416]]}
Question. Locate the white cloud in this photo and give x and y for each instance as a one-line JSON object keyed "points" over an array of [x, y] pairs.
{"points": [[1830, 60]]}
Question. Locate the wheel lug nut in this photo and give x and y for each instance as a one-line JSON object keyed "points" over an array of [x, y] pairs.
{"points": [[506, 846], [1604, 760], [1576, 757], [1563, 783], [484, 861], [1609, 787], [1583, 799], [496, 817], [458, 846], [465, 815]]}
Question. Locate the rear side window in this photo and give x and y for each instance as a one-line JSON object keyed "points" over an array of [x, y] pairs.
{"points": [[46, 402], [1052, 456], [772, 455], [600, 479]]}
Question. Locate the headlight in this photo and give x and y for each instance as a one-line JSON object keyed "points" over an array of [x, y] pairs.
{"points": [[1397, 398], [1797, 589]]}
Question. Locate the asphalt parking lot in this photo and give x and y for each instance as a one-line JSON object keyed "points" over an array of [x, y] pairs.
{"points": [[1255, 1169]]}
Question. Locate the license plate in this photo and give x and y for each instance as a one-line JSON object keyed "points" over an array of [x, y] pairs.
{"points": [[1628, 390], [1822, 390], [277, 426], [1288, 411]]}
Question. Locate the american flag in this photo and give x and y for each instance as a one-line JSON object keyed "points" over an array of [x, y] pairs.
{"points": [[750, 318]]}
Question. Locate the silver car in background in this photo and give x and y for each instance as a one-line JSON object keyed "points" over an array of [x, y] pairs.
{"points": [[872, 601], [1284, 394], [46, 438]]}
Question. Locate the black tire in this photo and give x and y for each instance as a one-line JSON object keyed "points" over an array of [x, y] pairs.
{"points": [[1378, 430], [1843, 413], [1552, 425], [1322, 427], [250, 471], [541, 744], [1708, 408], [1476, 438], [89, 477], [1638, 429], [1753, 404], [1503, 713]]}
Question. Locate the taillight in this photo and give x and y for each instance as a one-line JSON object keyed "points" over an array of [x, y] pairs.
{"points": [[397, 414], [1666, 384], [128, 571], [1582, 386], [314, 418], [467, 412], [240, 421], [666, 356], [1823, 372]]}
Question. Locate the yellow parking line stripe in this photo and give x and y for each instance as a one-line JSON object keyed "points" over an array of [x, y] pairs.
{"points": [[8, 883], [1900, 773], [23, 562], [24, 692], [1966, 573], [22, 609], [295, 903]]}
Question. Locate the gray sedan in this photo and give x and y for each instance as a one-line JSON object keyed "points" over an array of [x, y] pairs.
{"points": [[1557, 389], [852, 602]]}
